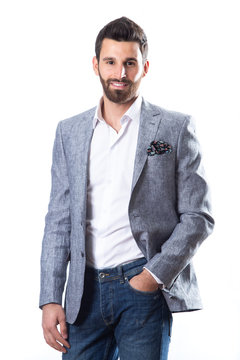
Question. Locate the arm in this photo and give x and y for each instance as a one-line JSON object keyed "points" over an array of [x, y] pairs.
{"points": [[56, 249], [193, 205]]}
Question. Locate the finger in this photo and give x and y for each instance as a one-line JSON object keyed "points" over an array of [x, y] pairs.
{"points": [[49, 338], [63, 329], [52, 335], [57, 336]]}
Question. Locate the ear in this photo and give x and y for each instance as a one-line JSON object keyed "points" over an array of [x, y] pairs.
{"points": [[95, 65], [145, 68]]}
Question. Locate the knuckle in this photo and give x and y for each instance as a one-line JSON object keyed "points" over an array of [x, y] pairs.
{"points": [[48, 341], [47, 329], [51, 328], [51, 343]]}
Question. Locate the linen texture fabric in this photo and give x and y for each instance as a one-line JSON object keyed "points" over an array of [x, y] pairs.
{"points": [[169, 209]]}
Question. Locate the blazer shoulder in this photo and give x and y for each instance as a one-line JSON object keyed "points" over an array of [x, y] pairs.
{"points": [[69, 124], [175, 117]]}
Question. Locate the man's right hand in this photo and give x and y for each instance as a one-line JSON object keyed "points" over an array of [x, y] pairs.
{"points": [[53, 315]]}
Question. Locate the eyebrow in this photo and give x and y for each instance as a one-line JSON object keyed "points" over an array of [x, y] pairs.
{"points": [[127, 59], [108, 58]]}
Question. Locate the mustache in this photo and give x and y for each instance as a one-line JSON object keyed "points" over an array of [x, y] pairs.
{"points": [[120, 81]]}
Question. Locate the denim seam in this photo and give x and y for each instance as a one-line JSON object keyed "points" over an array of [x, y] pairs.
{"points": [[108, 324]]}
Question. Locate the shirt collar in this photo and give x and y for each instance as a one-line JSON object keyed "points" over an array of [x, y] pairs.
{"points": [[132, 113]]}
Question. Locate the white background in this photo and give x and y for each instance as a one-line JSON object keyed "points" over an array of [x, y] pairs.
{"points": [[46, 76]]}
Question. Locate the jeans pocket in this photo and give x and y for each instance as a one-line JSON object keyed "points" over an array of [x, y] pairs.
{"points": [[144, 293]]}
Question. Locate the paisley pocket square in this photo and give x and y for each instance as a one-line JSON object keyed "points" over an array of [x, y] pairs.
{"points": [[159, 147]]}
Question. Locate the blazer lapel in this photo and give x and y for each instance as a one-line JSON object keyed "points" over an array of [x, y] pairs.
{"points": [[150, 120], [81, 139]]}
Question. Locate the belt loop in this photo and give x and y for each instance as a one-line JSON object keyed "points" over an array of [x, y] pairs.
{"points": [[121, 274]]}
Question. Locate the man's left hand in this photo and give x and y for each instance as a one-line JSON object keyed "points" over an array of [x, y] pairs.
{"points": [[144, 282]]}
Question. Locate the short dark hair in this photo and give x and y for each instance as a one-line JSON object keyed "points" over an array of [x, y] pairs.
{"points": [[122, 29]]}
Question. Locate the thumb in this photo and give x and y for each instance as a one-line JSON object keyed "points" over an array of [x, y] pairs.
{"points": [[63, 329]]}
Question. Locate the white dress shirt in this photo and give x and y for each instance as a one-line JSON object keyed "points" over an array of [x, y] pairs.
{"points": [[109, 240]]}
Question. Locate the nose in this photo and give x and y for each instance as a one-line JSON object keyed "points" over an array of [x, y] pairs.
{"points": [[121, 72]]}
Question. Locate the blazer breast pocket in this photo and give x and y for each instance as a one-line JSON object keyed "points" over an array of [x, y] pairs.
{"points": [[163, 163]]}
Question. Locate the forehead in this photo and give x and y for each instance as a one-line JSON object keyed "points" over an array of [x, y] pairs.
{"points": [[120, 49]]}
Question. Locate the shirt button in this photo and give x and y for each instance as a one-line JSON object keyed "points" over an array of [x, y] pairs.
{"points": [[82, 253]]}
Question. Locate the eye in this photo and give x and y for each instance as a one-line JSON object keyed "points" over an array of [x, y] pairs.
{"points": [[110, 62], [130, 63]]}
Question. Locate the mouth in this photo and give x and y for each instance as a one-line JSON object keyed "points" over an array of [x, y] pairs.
{"points": [[118, 85]]}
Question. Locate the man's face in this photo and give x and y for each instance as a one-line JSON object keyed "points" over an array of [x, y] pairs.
{"points": [[120, 69]]}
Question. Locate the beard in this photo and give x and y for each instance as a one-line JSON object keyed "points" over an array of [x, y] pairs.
{"points": [[120, 96]]}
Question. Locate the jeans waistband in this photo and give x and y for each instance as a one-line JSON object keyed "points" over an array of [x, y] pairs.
{"points": [[118, 272]]}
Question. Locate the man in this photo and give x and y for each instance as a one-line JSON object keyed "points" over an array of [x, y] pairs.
{"points": [[129, 207]]}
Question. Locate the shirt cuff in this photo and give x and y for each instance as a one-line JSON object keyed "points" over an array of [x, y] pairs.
{"points": [[160, 283]]}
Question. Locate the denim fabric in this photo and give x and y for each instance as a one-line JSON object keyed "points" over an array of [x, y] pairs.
{"points": [[118, 320]]}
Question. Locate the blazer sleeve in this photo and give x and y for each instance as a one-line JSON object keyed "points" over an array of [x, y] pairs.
{"points": [[193, 206], [56, 239]]}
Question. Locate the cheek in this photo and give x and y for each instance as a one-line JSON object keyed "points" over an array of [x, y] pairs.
{"points": [[137, 75], [103, 71], [107, 73]]}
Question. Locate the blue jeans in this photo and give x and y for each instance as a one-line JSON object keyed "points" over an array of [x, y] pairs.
{"points": [[116, 320]]}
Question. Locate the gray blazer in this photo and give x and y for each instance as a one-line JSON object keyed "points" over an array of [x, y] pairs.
{"points": [[169, 209]]}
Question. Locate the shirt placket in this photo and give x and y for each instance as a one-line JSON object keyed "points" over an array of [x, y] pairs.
{"points": [[112, 171]]}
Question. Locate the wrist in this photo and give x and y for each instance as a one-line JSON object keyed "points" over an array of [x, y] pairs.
{"points": [[49, 305], [146, 275]]}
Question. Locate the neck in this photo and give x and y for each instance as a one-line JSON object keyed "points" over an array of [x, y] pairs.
{"points": [[112, 112]]}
